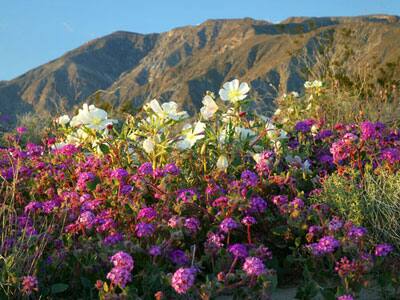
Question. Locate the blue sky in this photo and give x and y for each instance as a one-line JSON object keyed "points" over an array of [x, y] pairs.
{"points": [[34, 32]]}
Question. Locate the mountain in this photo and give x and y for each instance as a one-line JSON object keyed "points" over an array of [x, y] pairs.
{"points": [[183, 63]]}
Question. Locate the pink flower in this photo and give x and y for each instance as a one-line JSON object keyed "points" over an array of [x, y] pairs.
{"points": [[183, 279], [253, 266]]}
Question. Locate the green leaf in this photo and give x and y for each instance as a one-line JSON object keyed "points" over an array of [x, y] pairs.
{"points": [[59, 288], [104, 148]]}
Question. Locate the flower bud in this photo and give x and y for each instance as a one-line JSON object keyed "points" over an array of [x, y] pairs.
{"points": [[222, 163]]}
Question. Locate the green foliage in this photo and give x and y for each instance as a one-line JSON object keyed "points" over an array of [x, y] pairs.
{"points": [[373, 202]]}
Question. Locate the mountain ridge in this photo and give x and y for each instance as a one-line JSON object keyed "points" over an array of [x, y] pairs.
{"points": [[180, 64]]}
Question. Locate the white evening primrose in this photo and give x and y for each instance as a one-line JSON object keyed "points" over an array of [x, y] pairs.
{"points": [[63, 120], [308, 84], [167, 110], [244, 133], [295, 94], [277, 112], [209, 107], [92, 117], [222, 163], [233, 91], [191, 135], [317, 83], [148, 145]]}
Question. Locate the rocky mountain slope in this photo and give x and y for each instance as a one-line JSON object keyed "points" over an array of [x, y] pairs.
{"points": [[180, 64]]}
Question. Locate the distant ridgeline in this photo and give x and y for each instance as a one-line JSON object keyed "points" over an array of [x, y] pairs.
{"points": [[123, 70]]}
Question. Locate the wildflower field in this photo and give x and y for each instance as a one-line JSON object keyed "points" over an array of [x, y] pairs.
{"points": [[227, 203]]}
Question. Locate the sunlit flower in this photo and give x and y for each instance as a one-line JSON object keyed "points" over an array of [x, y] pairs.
{"points": [[191, 135], [63, 120], [209, 107], [92, 117], [222, 163], [233, 91], [167, 110], [148, 145]]}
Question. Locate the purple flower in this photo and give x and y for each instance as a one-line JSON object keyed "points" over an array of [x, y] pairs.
{"points": [[304, 126], [68, 150], [119, 174], [340, 151], [249, 178], [175, 222], [21, 130], [296, 203], [33, 206], [29, 285], [253, 266], [345, 297], [383, 249], [323, 134], [83, 179], [263, 252], [123, 260], [391, 155], [356, 233], [183, 279], [145, 169], [119, 276], [143, 229], [126, 189], [87, 219], [49, 206], [264, 165], [335, 224], [228, 224], [238, 250], [280, 200], [113, 239], [155, 250], [192, 224], [325, 245], [147, 213], [171, 169], [249, 220], [257, 204], [214, 241], [371, 131], [178, 257], [187, 195]]}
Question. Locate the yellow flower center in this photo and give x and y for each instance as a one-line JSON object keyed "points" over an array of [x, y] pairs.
{"points": [[234, 95]]}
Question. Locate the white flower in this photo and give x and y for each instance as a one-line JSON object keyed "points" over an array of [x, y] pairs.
{"points": [[232, 91], [317, 83], [277, 112], [222, 163], [209, 108], [78, 137], [63, 120], [92, 117], [314, 129], [167, 110], [295, 94], [240, 133], [313, 84], [274, 133], [257, 157], [308, 84], [191, 135], [58, 146], [244, 133], [148, 145]]}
